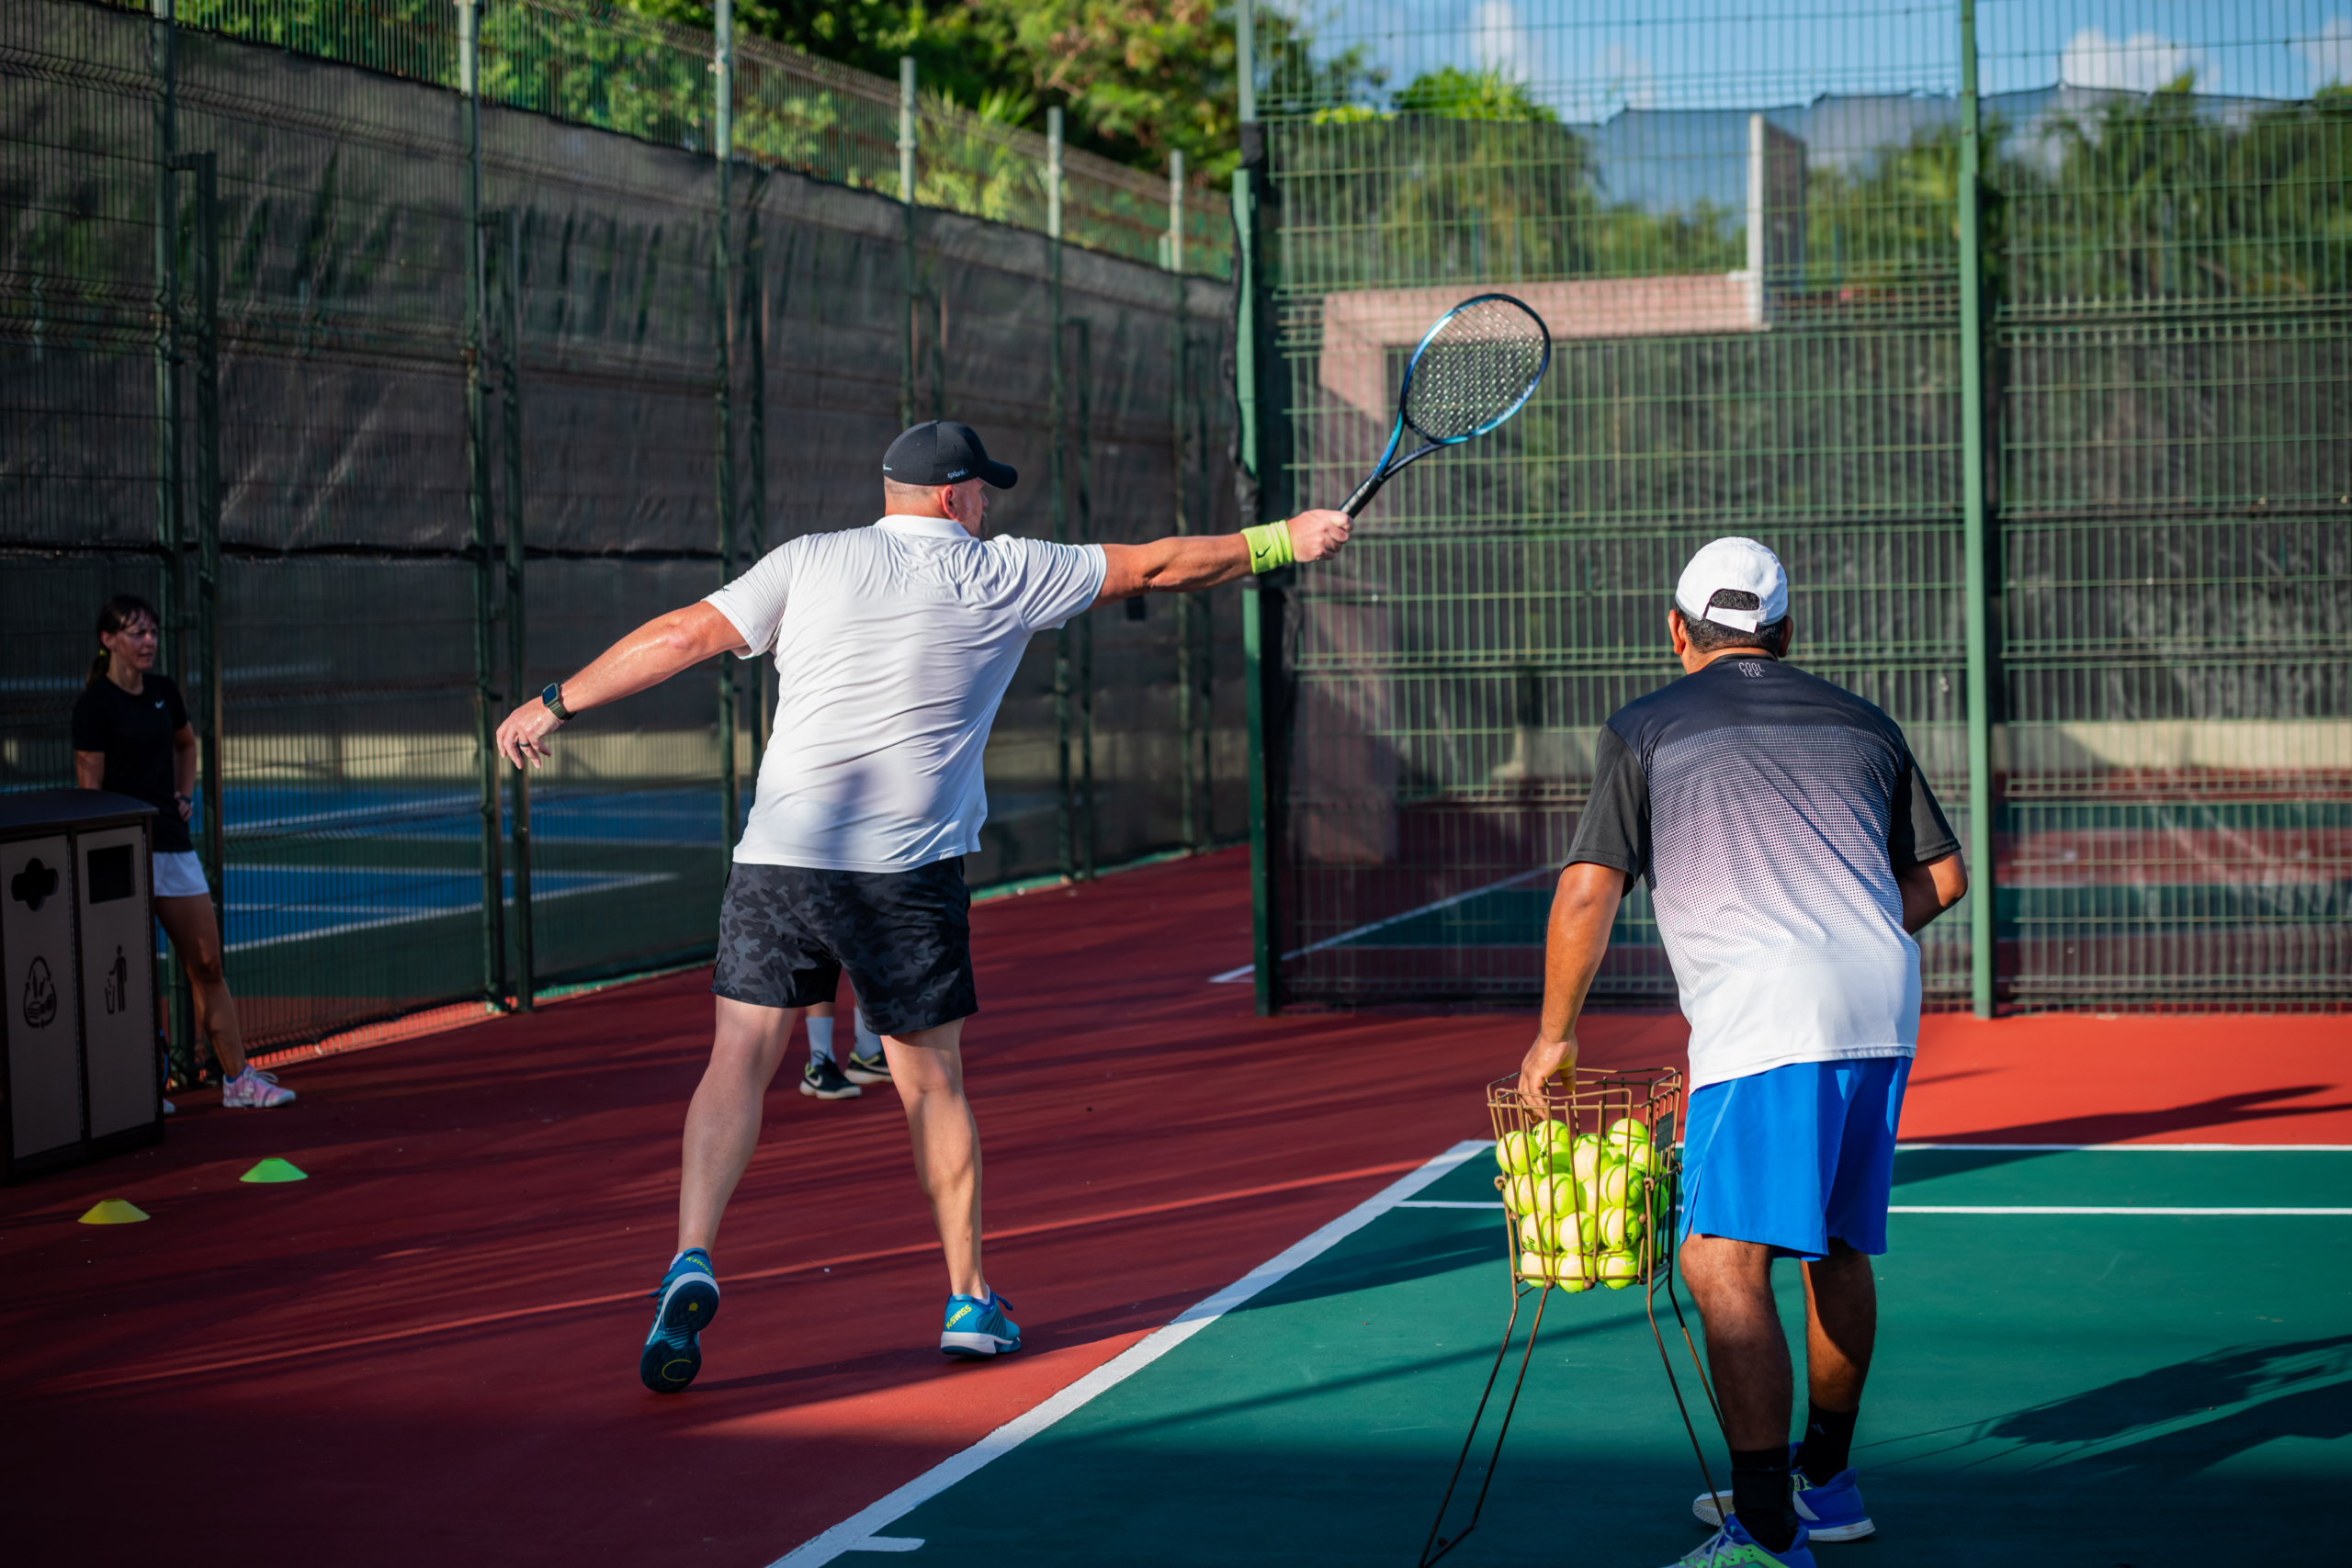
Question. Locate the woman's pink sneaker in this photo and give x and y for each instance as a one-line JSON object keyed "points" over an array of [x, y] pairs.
{"points": [[253, 1089]]}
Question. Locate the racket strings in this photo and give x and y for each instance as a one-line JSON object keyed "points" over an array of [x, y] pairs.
{"points": [[1476, 369]]}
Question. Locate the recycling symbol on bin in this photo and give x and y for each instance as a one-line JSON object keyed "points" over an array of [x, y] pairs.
{"points": [[40, 996], [33, 883]]}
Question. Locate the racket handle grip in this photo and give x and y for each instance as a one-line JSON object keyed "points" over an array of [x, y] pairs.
{"points": [[1355, 504]]}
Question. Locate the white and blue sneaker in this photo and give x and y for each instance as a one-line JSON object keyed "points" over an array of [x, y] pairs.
{"points": [[689, 1298], [1832, 1511], [978, 1327], [1732, 1547]]}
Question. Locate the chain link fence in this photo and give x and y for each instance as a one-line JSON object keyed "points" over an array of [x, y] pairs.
{"points": [[390, 457], [1912, 293]]}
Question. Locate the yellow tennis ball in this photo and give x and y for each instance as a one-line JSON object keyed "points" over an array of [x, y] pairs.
{"points": [[1569, 1266], [1615, 1180], [1534, 1265], [1552, 1139], [1585, 1157], [1563, 1194], [1519, 1195], [1628, 1130], [1618, 1270], [1512, 1152]]}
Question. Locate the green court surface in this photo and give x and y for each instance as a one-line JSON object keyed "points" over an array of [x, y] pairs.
{"points": [[2103, 1388]]}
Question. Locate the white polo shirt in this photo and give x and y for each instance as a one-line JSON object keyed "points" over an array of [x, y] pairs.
{"points": [[894, 645]]}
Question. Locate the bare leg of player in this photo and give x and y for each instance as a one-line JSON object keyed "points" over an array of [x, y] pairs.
{"points": [[1841, 1327], [1732, 1282], [928, 1068], [723, 1122]]}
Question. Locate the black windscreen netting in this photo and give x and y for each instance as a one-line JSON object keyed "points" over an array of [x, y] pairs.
{"points": [[355, 621]]}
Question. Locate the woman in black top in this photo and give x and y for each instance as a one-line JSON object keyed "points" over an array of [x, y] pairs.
{"points": [[131, 736]]}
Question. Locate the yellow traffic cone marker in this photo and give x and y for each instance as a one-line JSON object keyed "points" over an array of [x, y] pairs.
{"points": [[114, 1211]]}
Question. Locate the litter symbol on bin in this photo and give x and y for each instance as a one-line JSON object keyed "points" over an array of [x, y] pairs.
{"points": [[40, 995], [33, 883], [118, 983]]}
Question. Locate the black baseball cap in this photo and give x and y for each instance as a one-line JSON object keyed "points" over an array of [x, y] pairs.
{"points": [[941, 451]]}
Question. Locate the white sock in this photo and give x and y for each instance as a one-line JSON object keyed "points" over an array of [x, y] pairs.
{"points": [[869, 1045], [820, 1039]]}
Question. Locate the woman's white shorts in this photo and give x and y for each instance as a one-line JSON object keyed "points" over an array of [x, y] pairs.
{"points": [[180, 875]]}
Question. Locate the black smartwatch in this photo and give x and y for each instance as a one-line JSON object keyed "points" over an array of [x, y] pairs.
{"points": [[553, 697]]}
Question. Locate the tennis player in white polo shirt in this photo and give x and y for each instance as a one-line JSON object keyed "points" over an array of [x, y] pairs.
{"points": [[894, 645], [1791, 847]]}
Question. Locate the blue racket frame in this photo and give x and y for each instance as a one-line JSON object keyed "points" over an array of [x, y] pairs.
{"points": [[1390, 465]]}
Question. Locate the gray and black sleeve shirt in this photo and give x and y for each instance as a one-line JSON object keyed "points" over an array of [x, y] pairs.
{"points": [[1768, 810]]}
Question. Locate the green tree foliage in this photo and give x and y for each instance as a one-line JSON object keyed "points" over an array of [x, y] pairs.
{"points": [[2156, 199], [1468, 178], [1138, 79], [2150, 198]]}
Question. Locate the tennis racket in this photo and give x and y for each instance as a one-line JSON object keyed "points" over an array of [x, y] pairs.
{"points": [[1472, 370]]}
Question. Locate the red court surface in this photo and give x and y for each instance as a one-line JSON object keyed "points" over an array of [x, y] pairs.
{"points": [[427, 1351]]}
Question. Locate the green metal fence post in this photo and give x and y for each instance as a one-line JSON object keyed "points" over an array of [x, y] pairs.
{"points": [[907, 243], [1188, 788], [1083, 674], [170, 536], [1255, 653], [493, 892], [1057, 468], [1975, 542], [510, 383], [755, 434], [210, 702], [723, 150]]}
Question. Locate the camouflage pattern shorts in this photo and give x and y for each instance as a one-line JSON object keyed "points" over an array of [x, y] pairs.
{"points": [[787, 933]]}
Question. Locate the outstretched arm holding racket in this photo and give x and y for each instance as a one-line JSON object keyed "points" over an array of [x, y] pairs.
{"points": [[1471, 371], [1187, 562]]}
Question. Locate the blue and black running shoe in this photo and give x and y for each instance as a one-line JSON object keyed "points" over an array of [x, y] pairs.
{"points": [[689, 1298], [978, 1327], [1831, 1511]]}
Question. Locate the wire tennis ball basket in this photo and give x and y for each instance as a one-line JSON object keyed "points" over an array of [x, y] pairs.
{"points": [[1589, 1181]]}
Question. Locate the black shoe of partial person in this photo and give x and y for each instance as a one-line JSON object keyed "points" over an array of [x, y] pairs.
{"points": [[822, 1080], [869, 1069]]}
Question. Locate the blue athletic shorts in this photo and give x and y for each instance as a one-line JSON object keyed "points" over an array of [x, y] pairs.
{"points": [[1793, 1156]]}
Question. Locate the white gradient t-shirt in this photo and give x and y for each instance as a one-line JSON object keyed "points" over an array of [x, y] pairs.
{"points": [[894, 645], [1769, 810]]}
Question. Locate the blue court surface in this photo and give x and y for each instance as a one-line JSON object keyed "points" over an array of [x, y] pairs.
{"points": [[626, 817], [2113, 1356], [271, 904]]}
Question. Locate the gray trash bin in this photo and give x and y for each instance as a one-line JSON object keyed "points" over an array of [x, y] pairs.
{"points": [[78, 1062]]}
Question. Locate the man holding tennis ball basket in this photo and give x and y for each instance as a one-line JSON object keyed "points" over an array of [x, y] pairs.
{"points": [[1791, 847]]}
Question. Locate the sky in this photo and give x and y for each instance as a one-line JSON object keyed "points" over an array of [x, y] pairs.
{"points": [[1590, 58]]}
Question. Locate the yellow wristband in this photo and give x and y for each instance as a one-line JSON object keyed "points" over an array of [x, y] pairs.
{"points": [[1269, 545]]}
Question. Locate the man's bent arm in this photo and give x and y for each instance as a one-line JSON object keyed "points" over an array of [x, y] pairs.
{"points": [[1583, 909], [1929, 888], [1184, 563], [647, 657]]}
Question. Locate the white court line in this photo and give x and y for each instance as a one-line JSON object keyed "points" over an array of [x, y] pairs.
{"points": [[599, 883], [1248, 970], [856, 1532]]}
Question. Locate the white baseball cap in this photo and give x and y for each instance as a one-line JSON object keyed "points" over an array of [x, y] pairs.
{"points": [[1742, 566]]}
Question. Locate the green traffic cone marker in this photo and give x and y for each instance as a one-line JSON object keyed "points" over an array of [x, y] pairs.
{"points": [[114, 1211], [274, 1170]]}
